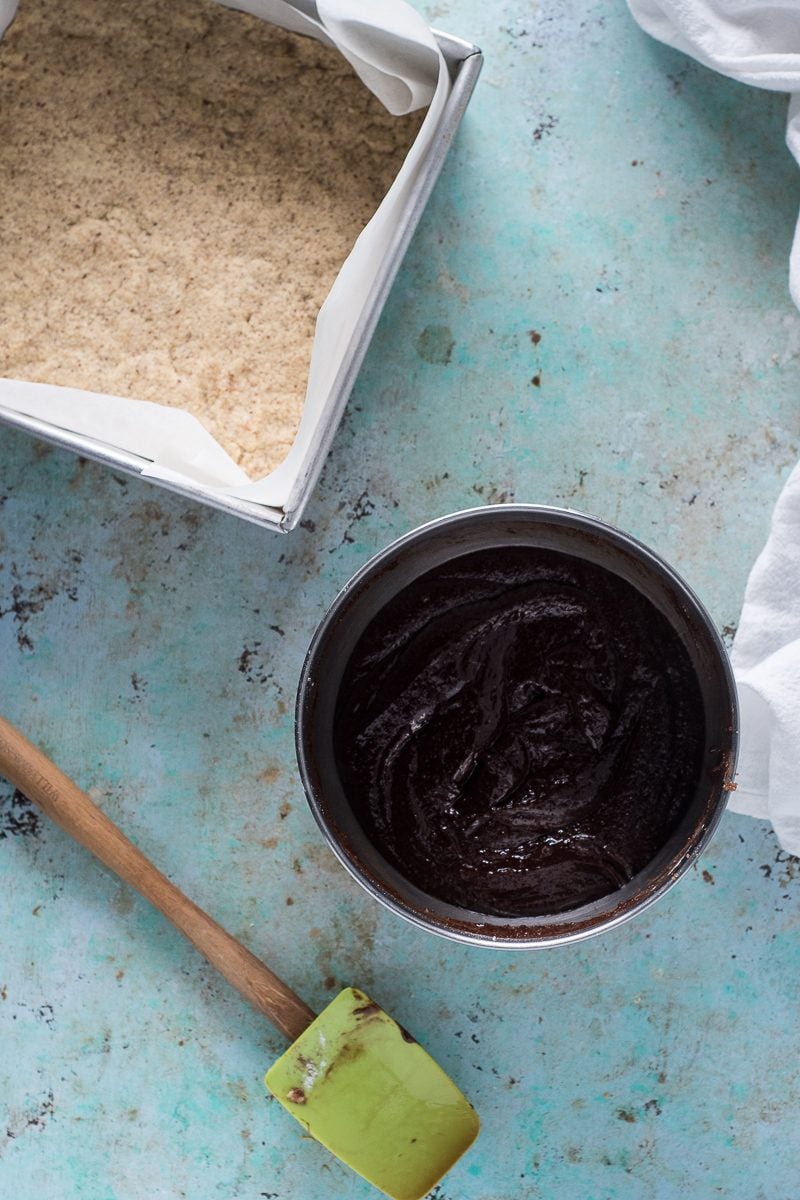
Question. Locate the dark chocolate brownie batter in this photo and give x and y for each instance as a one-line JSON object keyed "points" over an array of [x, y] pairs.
{"points": [[519, 731]]}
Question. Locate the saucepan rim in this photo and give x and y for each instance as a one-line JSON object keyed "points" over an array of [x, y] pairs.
{"points": [[397, 894]]}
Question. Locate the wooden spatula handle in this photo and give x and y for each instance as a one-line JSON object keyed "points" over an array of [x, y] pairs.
{"points": [[42, 782]]}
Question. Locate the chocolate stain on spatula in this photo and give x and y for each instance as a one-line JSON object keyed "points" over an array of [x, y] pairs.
{"points": [[353, 1077]]}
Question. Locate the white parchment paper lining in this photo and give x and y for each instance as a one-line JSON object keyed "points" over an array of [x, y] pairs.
{"points": [[395, 55]]}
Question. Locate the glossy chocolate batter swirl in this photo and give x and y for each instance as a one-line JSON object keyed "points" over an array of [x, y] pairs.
{"points": [[519, 731]]}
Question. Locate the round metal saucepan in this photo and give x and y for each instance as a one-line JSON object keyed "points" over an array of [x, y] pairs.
{"points": [[427, 547]]}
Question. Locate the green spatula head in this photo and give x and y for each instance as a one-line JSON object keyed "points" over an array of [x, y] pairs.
{"points": [[362, 1086]]}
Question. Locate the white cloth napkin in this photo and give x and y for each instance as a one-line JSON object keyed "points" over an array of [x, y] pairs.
{"points": [[766, 662], [758, 42]]}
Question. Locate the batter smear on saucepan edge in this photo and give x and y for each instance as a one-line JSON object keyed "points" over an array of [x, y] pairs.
{"points": [[519, 731]]}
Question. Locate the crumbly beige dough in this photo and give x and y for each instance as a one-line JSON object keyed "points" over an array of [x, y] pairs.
{"points": [[179, 186]]}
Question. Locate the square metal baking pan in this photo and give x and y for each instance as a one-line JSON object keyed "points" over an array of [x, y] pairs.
{"points": [[464, 63]]}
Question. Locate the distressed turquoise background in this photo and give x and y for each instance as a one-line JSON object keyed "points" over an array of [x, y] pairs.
{"points": [[636, 211]]}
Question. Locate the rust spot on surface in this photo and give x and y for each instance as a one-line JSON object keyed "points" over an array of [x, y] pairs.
{"points": [[535, 336], [123, 901], [435, 345], [18, 817], [708, 877], [625, 1114], [545, 127], [296, 1095]]}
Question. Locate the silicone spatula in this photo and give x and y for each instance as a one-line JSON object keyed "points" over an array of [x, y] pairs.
{"points": [[355, 1079]]}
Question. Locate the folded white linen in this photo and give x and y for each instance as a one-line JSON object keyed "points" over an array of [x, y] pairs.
{"points": [[766, 662], [758, 42]]}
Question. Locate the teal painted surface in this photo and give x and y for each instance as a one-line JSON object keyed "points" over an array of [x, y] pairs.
{"points": [[153, 648]]}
